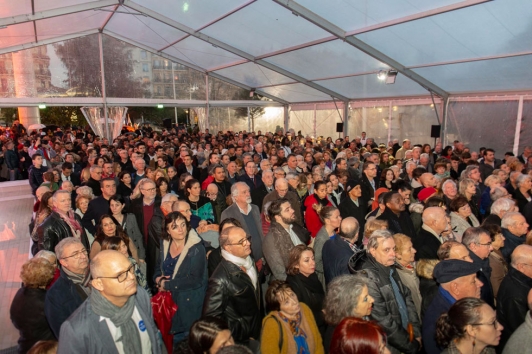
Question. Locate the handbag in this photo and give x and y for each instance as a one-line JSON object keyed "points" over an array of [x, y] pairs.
{"points": [[164, 310]]}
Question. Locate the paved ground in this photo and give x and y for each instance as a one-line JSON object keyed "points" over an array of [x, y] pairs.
{"points": [[15, 213]]}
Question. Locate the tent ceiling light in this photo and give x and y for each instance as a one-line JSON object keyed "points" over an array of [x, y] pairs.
{"points": [[42, 106], [391, 76], [160, 106], [381, 75]]}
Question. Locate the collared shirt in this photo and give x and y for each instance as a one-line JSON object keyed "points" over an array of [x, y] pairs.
{"points": [[64, 178], [244, 212], [354, 201], [427, 228], [293, 236], [116, 333], [353, 247]]}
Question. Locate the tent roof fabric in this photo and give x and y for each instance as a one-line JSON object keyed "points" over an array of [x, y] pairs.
{"points": [[306, 50]]}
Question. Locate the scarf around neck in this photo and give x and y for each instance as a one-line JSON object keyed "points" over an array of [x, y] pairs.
{"points": [[246, 263], [70, 218], [121, 318]]}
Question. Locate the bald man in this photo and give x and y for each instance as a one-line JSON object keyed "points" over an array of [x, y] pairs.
{"points": [[282, 190], [117, 314], [337, 251], [258, 194], [429, 238], [512, 303], [454, 250]]}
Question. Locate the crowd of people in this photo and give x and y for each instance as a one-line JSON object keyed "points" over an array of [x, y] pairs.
{"points": [[272, 243]]}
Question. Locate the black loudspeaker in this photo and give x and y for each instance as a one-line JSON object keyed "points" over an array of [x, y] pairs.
{"points": [[167, 123], [435, 131], [339, 127]]}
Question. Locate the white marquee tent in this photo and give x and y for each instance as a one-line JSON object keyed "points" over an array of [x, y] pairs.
{"points": [[462, 64]]}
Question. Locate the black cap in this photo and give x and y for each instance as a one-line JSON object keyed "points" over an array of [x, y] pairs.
{"points": [[352, 183], [451, 269]]}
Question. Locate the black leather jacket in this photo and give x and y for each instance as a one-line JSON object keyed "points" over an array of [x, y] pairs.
{"points": [[385, 309], [232, 297], [54, 229]]}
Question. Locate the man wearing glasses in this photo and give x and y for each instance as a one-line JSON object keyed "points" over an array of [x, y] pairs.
{"points": [[94, 180], [144, 208], [234, 291], [72, 287], [117, 315], [478, 242]]}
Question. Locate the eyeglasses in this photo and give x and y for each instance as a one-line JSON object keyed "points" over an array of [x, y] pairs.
{"points": [[485, 244], [77, 255], [150, 190], [122, 276], [241, 242], [494, 324]]}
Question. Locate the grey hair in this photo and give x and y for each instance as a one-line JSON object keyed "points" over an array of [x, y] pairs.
{"points": [[376, 236], [353, 161], [234, 189], [498, 193], [472, 235], [290, 176], [343, 295], [59, 192], [278, 169], [45, 254], [410, 163], [167, 197], [95, 167], [85, 191], [280, 180], [65, 183], [501, 205], [446, 183], [508, 219], [521, 179], [64, 243], [469, 169], [143, 181], [424, 156]]}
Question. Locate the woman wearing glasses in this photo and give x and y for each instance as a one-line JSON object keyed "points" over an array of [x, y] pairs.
{"points": [[182, 270], [470, 327]]}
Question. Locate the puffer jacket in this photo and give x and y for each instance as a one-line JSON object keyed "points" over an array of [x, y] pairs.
{"points": [[277, 245], [54, 229], [385, 308], [232, 297]]}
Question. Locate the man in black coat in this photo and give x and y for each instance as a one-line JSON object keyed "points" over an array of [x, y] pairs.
{"points": [[250, 176], [457, 279], [337, 251], [187, 166], [144, 208], [234, 291], [72, 287], [94, 180], [368, 184], [512, 304], [99, 206], [478, 242], [258, 194], [399, 221], [393, 308], [353, 205], [429, 239]]}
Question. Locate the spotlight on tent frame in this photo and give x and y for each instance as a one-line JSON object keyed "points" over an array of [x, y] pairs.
{"points": [[160, 106], [381, 75], [391, 76], [42, 106], [252, 93]]}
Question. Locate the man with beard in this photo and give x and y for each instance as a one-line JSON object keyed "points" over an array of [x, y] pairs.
{"points": [[284, 234]]}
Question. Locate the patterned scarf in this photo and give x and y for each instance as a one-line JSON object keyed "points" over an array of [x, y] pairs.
{"points": [[70, 219], [299, 334]]}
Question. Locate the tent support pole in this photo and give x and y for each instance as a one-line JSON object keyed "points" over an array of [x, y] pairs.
{"points": [[518, 126], [104, 95], [346, 118], [443, 131], [286, 117]]}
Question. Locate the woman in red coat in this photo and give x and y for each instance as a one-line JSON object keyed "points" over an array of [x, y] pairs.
{"points": [[313, 205]]}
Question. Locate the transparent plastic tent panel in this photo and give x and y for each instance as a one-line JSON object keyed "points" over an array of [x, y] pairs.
{"points": [[254, 75], [222, 91], [297, 93], [264, 27], [224, 119], [270, 121], [316, 119], [354, 14], [142, 29], [414, 122], [487, 75], [14, 8], [200, 53], [43, 5], [17, 34], [334, 58], [192, 13], [487, 123], [133, 72], [488, 29], [77, 22], [369, 86], [525, 138], [372, 120], [65, 69], [302, 120]]}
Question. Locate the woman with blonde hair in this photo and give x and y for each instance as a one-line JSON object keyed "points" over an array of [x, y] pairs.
{"points": [[82, 204], [372, 225], [468, 189], [428, 287], [491, 182], [406, 267]]}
